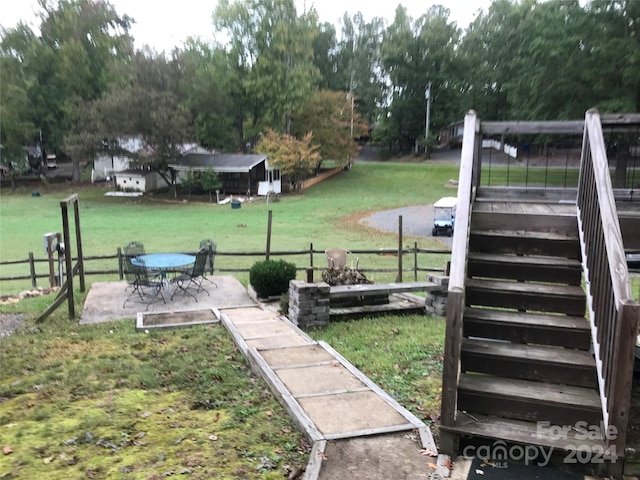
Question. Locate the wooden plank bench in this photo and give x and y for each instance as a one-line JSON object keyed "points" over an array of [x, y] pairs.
{"points": [[373, 289], [354, 301]]}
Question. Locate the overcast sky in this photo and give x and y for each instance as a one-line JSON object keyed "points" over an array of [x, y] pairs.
{"points": [[166, 24]]}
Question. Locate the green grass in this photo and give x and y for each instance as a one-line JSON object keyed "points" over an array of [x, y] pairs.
{"points": [[326, 215], [103, 401], [402, 354]]}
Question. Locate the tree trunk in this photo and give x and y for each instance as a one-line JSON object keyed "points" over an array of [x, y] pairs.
{"points": [[76, 171]]}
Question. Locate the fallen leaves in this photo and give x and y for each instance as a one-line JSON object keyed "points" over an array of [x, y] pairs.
{"points": [[322, 455], [428, 453], [6, 450]]}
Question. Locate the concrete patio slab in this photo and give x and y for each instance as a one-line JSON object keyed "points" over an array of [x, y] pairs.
{"points": [[296, 356], [104, 300], [323, 379], [251, 315], [392, 456], [345, 412], [277, 342], [271, 328]]}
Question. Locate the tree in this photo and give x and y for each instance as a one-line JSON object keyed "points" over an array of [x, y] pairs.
{"points": [[209, 182], [74, 60], [415, 54], [328, 115], [149, 108], [296, 159], [209, 92], [358, 64], [272, 51]]}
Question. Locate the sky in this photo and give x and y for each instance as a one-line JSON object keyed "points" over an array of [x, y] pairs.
{"points": [[166, 24]]}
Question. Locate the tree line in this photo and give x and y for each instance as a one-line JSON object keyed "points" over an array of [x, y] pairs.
{"points": [[78, 84]]}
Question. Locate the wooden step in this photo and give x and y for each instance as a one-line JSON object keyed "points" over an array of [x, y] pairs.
{"points": [[529, 433], [534, 297], [528, 400], [524, 242], [531, 217], [521, 327], [529, 362], [525, 268]]}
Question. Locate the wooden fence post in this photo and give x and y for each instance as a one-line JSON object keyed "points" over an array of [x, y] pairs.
{"points": [[268, 251], [415, 261], [32, 268], [120, 264], [311, 255], [399, 248]]}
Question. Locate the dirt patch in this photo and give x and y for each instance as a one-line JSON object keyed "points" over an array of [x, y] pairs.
{"points": [[385, 456], [179, 318], [10, 322]]}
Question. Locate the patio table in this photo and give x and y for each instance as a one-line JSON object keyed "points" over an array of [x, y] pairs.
{"points": [[164, 262]]}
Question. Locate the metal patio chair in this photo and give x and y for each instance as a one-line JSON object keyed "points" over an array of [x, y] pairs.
{"points": [[211, 247], [140, 277], [194, 277]]}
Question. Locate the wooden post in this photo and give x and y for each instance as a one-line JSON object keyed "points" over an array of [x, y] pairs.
{"points": [[32, 268], [311, 256], [415, 261], [76, 214], [52, 271], [268, 251], [68, 257], [399, 248], [120, 264], [309, 275]]}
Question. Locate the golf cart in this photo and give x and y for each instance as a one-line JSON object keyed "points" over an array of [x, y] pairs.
{"points": [[444, 216]]}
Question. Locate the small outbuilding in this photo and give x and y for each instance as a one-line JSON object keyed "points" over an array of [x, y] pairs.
{"points": [[244, 174], [139, 180]]}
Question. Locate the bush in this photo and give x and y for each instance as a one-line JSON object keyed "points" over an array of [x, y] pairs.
{"points": [[271, 277]]}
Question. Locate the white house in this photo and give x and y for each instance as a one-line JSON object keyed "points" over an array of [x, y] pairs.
{"points": [[106, 166]]}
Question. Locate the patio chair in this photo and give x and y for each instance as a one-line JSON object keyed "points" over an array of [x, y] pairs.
{"points": [[140, 277], [135, 249], [193, 277], [210, 246], [337, 258]]}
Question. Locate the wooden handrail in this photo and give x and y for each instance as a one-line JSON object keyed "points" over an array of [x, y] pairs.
{"points": [[612, 311], [467, 182]]}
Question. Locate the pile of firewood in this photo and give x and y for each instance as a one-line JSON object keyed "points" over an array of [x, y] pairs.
{"points": [[344, 276]]}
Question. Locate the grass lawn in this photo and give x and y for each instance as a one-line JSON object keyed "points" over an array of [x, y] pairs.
{"points": [[326, 215], [102, 401]]}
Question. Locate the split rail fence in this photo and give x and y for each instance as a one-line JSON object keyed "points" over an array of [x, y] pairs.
{"points": [[413, 263]]}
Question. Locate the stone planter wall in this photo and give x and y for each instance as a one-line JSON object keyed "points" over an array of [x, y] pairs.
{"points": [[436, 302], [309, 304]]}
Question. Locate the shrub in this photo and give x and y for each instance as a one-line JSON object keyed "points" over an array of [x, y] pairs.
{"points": [[271, 277]]}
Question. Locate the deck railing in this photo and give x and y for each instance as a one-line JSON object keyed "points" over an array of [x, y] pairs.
{"points": [[613, 312], [468, 180]]}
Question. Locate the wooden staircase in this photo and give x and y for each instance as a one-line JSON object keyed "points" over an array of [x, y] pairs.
{"points": [[525, 349], [522, 366]]}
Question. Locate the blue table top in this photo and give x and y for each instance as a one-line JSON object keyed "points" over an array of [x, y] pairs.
{"points": [[165, 260]]}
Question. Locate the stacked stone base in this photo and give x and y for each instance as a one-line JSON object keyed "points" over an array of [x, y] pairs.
{"points": [[436, 302], [309, 304]]}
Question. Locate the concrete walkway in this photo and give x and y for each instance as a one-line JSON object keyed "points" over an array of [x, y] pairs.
{"points": [[357, 429]]}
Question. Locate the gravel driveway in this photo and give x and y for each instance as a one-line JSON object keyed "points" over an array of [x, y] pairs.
{"points": [[416, 221]]}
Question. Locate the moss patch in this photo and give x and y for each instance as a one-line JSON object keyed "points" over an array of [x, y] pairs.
{"points": [[106, 402]]}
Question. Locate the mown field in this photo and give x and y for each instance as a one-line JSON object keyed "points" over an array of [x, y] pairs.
{"points": [[103, 401]]}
